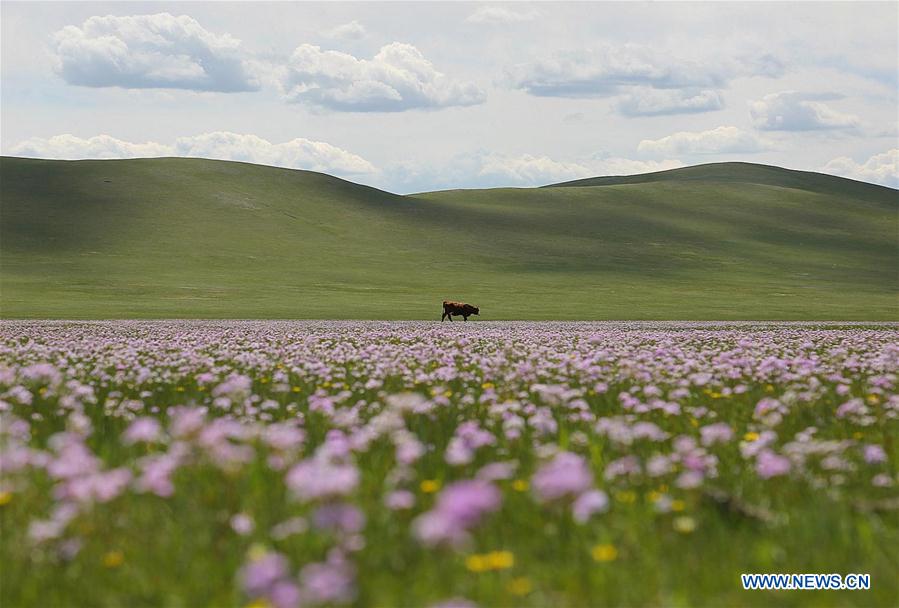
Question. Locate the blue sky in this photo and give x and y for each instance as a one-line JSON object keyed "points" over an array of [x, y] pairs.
{"points": [[412, 97]]}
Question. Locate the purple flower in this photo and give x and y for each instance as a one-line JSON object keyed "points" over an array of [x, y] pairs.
{"points": [[460, 506], [258, 576], [716, 433], [341, 517], [565, 476], [285, 594], [588, 503], [466, 501], [316, 478], [874, 453], [328, 582], [769, 464], [400, 500], [142, 430], [242, 524]]}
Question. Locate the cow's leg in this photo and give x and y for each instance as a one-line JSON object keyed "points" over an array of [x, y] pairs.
{"points": [[465, 317], [449, 316], [443, 316]]}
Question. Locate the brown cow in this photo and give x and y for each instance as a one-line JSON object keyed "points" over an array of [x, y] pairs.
{"points": [[459, 309]]}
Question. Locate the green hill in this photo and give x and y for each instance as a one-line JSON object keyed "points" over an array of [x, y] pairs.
{"points": [[201, 238]]}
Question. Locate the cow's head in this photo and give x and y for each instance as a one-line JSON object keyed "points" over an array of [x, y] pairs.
{"points": [[476, 310]]}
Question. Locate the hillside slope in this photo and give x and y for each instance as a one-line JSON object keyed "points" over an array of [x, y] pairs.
{"points": [[199, 238]]}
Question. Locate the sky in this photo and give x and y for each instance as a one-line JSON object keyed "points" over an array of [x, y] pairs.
{"points": [[411, 97]]}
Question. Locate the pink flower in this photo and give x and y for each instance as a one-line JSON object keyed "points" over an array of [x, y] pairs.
{"points": [[143, 429], [769, 464], [460, 506], [716, 433], [874, 453], [400, 500], [565, 476], [588, 503], [242, 524], [316, 478]]}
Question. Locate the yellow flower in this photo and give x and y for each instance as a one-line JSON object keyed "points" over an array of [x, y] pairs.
{"points": [[520, 485], [113, 559], [857, 435], [684, 524], [259, 602], [429, 486], [500, 560], [751, 436], [520, 586], [296, 389], [678, 505], [5, 498], [653, 496], [873, 399], [495, 560], [626, 496], [476, 563], [604, 553], [263, 380], [326, 385], [769, 388], [487, 385], [448, 394], [179, 389], [256, 552], [694, 422]]}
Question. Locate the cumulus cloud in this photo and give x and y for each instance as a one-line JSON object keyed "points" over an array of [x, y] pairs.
{"points": [[644, 101], [795, 111], [879, 169], [397, 78], [605, 70], [501, 14], [527, 170], [294, 154], [151, 51], [493, 170], [348, 31], [628, 166], [722, 140], [70, 147]]}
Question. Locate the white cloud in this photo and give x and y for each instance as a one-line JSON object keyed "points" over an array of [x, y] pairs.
{"points": [[501, 14], [721, 140], [527, 170], [295, 154], [627, 166], [347, 31], [151, 51], [69, 147], [397, 78], [794, 111], [493, 170], [644, 101], [603, 71], [880, 169]]}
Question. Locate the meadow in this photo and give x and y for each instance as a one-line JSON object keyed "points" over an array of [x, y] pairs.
{"points": [[291, 464], [190, 238]]}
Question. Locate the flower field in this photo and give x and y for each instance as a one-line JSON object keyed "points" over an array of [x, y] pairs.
{"points": [[291, 464]]}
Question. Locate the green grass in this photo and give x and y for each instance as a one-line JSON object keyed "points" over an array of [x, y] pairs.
{"points": [[187, 238]]}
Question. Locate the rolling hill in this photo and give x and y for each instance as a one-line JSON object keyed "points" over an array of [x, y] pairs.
{"points": [[186, 238]]}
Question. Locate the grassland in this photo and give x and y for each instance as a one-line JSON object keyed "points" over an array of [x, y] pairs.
{"points": [[188, 238]]}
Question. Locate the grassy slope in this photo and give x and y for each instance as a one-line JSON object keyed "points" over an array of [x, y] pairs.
{"points": [[197, 238]]}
